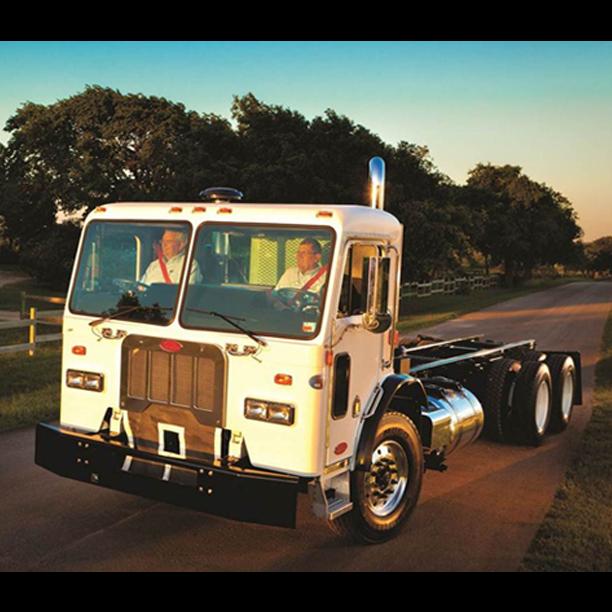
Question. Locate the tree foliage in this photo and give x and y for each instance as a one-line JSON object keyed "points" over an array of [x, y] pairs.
{"points": [[101, 146], [599, 255], [523, 224]]}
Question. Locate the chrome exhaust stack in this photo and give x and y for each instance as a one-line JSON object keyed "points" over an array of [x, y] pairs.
{"points": [[377, 183]]}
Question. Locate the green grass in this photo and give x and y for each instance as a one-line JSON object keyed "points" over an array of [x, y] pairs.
{"points": [[427, 312], [576, 536], [29, 387]]}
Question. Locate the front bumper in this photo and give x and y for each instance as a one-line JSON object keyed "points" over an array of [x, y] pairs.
{"points": [[240, 494]]}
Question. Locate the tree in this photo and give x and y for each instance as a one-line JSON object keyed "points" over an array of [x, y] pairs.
{"points": [[101, 146], [96, 147], [435, 240], [523, 223], [599, 255]]}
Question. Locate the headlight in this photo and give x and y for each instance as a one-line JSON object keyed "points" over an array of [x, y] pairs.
{"points": [[269, 412], [85, 380]]}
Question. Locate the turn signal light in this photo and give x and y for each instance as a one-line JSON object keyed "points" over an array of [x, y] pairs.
{"points": [[79, 350], [283, 379]]}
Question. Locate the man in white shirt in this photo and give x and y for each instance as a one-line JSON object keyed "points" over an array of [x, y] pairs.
{"points": [[168, 266], [308, 275]]}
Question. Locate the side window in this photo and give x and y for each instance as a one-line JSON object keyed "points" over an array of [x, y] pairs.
{"points": [[354, 283], [342, 383]]}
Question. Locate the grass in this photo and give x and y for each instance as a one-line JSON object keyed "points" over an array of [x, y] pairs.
{"points": [[427, 312], [29, 387], [576, 536]]}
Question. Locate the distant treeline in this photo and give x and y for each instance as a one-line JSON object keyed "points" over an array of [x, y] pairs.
{"points": [[102, 146]]}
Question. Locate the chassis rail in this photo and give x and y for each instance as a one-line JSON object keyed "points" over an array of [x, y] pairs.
{"points": [[468, 358]]}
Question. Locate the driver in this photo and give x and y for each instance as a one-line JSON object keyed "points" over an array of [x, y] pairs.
{"points": [[168, 265], [309, 274]]}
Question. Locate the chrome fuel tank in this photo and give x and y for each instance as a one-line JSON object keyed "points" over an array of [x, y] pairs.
{"points": [[455, 414]]}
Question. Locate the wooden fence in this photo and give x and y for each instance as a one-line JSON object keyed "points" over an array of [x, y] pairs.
{"points": [[31, 319], [449, 286]]}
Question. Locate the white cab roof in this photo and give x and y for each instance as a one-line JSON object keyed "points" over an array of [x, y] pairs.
{"points": [[348, 220]]}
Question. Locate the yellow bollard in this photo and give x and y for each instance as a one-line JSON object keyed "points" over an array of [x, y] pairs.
{"points": [[32, 331]]}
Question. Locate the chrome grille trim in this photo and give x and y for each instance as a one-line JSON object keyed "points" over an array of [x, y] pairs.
{"points": [[193, 379]]}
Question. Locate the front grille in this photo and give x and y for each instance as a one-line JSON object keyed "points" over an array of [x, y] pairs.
{"points": [[193, 378]]}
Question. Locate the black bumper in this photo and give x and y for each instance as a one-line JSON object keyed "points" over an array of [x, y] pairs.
{"points": [[239, 494]]}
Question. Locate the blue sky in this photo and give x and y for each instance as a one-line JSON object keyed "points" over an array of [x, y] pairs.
{"points": [[546, 106]]}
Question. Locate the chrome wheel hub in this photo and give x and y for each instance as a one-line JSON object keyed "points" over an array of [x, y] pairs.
{"points": [[542, 407], [387, 480], [567, 401]]}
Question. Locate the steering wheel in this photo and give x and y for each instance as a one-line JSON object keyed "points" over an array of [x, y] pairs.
{"points": [[298, 300], [127, 285]]}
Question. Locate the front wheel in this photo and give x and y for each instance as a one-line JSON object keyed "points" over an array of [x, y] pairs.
{"points": [[386, 495]]}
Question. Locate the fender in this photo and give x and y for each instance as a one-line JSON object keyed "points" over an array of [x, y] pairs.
{"points": [[401, 393]]}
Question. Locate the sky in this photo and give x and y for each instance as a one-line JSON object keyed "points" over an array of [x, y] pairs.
{"points": [[544, 106]]}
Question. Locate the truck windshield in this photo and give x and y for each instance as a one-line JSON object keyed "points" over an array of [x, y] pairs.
{"points": [[271, 280], [132, 271]]}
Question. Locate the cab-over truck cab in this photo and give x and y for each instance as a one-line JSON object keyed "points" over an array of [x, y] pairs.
{"points": [[228, 356]]}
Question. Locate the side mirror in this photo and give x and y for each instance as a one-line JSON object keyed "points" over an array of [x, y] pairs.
{"points": [[377, 318]]}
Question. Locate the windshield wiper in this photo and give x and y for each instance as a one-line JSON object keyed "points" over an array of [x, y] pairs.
{"points": [[231, 321], [126, 311]]}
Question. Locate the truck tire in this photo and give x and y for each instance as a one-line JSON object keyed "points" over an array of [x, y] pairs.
{"points": [[532, 404], [563, 372], [497, 405], [385, 497]]}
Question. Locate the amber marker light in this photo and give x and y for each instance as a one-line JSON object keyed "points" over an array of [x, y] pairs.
{"points": [[283, 379], [325, 214], [79, 350], [176, 209], [224, 211], [199, 209]]}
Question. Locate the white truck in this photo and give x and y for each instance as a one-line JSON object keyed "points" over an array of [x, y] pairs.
{"points": [[228, 357]]}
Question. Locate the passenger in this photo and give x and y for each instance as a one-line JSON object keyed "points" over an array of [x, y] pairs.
{"points": [[168, 266], [309, 274]]}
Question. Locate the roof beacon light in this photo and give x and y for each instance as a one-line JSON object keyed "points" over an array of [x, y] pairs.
{"points": [[221, 195], [377, 182]]}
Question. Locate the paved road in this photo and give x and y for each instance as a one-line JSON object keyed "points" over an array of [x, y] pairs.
{"points": [[481, 515]]}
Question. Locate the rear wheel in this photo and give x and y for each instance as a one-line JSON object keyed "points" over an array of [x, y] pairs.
{"points": [[532, 403], [563, 372], [386, 495], [497, 401]]}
